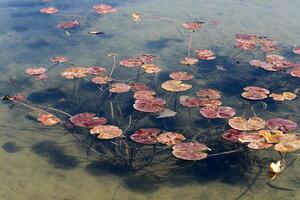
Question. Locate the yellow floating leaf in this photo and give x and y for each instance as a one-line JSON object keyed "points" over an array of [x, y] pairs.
{"points": [[136, 17]]}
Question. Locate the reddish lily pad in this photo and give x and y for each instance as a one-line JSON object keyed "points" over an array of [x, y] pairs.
{"points": [[217, 112], [95, 70], [135, 87], [147, 94], [231, 135], [296, 50], [68, 25], [146, 58], [188, 101], [59, 59], [149, 105], [88, 120], [209, 93], [34, 71], [104, 9], [131, 62], [192, 26], [190, 151], [284, 125], [146, 135]]}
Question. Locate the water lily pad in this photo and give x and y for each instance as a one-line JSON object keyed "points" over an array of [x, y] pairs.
{"points": [[59, 59], [34, 71], [149, 105], [190, 151], [209, 93], [146, 135], [95, 70], [192, 26], [151, 68], [232, 135], [119, 88], [189, 61], [131, 62], [175, 86], [284, 125], [48, 119], [104, 9], [147, 94], [288, 143], [88, 120], [242, 124], [217, 112], [170, 138], [49, 10], [189, 101], [101, 80], [205, 54], [74, 72], [68, 24], [106, 131], [181, 76]]}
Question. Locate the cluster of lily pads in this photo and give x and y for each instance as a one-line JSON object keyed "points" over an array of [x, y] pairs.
{"points": [[254, 133]]}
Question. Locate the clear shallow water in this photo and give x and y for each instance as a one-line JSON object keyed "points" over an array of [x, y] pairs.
{"points": [[39, 162]]}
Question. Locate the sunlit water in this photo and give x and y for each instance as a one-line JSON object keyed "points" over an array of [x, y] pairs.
{"points": [[38, 162]]}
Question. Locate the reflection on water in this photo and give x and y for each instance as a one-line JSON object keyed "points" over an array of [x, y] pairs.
{"points": [[66, 162]]}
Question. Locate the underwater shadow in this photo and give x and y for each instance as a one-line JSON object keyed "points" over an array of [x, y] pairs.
{"points": [[55, 155]]}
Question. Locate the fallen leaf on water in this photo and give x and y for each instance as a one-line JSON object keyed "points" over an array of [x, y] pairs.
{"points": [[166, 113]]}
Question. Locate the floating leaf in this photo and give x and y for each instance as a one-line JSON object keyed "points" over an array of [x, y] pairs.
{"points": [[170, 138], [242, 124], [88, 120], [151, 68], [146, 58], [284, 125], [190, 151], [189, 61], [119, 88], [34, 71], [283, 96], [254, 140], [209, 93], [296, 73], [106, 131], [206, 102], [181, 76], [296, 50], [255, 93], [59, 59], [146, 135], [188, 101], [149, 105], [288, 143], [271, 136], [101, 80], [217, 112], [231, 135], [146, 94], [131, 62], [74, 72], [204, 54], [49, 10], [175, 86], [192, 26], [275, 168], [135, 87], [68, 25], [48, 119], [95, 70], [104, 9]]}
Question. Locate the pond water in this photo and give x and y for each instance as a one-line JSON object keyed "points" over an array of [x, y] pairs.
{"points": [[65, 162]]}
